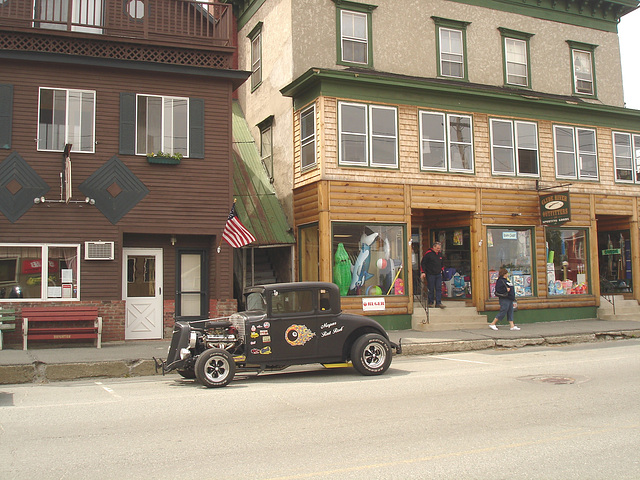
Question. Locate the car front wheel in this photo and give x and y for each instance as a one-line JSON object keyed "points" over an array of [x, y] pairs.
{"points": [[371, 354], [215, 368]]}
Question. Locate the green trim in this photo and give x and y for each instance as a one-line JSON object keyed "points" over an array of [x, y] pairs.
{"points": [[453, 25], [359, 8], [603, 15], [589, 48], [515, 35], [247, 13], [546, 314], [460, 97], [255, 30], [392, 322]]}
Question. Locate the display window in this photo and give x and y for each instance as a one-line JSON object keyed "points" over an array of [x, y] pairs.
{"points": [[614, 255], [567, 261], [511, 248], [368, 258], [23, 267]]}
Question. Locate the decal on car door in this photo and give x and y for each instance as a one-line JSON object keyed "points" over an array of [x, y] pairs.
{"points": [[297, 335]]}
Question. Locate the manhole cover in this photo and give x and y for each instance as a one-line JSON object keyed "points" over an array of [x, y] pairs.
{"points": [[553, 379]]}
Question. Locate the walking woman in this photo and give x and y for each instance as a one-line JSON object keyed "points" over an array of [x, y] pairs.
{"points": [[506, 295]]}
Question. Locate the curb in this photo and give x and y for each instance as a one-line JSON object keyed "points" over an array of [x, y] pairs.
{"points": [[427, 348], [40, 373]]}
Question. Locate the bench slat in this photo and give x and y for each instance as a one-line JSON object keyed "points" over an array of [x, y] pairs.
{"points": [[60, 328]]}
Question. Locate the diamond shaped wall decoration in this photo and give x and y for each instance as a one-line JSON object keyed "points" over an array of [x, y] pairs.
{"points": [[19, 185], [100, 186]]}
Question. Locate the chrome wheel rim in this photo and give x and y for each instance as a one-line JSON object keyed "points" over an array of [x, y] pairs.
{"points": [[374, 355], [216, 369]]}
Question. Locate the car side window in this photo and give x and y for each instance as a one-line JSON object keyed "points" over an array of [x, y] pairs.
{"points": [[295, 301], [324, 301]]}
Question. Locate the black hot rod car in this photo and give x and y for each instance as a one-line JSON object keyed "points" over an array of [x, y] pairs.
{"points": [[284, 324]]}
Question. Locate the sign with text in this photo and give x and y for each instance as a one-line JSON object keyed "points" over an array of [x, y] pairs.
{"points": [[555, 208], [371, 304]]}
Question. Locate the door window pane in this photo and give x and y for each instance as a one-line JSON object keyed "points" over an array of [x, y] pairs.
{"points": [[141, 276], [191, 285]]}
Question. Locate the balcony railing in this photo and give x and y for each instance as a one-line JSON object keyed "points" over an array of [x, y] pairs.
{"points": [[171, 22]]}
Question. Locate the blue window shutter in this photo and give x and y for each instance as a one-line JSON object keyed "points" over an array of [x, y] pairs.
{"points": [[196, 128], [127, 124], [6, 112]]}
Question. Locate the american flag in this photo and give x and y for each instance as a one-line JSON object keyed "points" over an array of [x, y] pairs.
{"points": [[234, 232]]}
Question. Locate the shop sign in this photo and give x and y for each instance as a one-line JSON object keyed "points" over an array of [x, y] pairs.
{"points": [[31, 267], [371, 304], [555, 208], [611, 251]]}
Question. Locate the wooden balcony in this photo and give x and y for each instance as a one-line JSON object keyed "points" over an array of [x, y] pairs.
{"points": [[177, 23]]}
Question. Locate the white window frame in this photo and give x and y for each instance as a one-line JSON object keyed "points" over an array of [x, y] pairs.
{"points": [[353, 39], [44, 273], [308, 142], [590, 80], [67, 130], [163, 125], [577, 152], [368, 135], [448, 143], [633, 156], [515, 148], [443, 52], [510, 61]]}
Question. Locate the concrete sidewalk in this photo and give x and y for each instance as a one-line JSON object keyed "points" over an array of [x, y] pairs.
{"points": [[135, 358]]}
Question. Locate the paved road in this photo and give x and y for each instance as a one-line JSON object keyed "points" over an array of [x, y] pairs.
{"points": [[549, 413]]}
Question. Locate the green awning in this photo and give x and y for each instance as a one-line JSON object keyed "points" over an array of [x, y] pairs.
{"points": [[257, 205]]}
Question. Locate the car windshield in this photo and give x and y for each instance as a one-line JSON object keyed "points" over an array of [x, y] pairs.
{"points": [[255, 301]]}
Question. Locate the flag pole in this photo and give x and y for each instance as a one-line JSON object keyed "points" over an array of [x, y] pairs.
{"points": [[219, 249]]}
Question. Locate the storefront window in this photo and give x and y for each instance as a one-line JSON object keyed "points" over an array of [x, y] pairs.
{"points": [[308, 242], [567, 261], [367, 259], [22, 268], [511, 248], [614, 255]]}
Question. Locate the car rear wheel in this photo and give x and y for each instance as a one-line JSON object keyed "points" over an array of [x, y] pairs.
{"points": [[371, 354], [215, 368]]}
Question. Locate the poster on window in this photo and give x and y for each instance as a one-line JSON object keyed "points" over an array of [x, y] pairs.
{"points": [[457, 237]]}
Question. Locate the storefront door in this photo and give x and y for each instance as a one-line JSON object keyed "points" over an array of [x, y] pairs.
{"points": [[456, 252], [614, 258], [142, 292]]}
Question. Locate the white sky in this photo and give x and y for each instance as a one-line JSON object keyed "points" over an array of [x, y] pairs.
{"points": [[629, 34]]}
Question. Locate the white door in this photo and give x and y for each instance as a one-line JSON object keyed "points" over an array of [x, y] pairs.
{"points": [[142, 292]]}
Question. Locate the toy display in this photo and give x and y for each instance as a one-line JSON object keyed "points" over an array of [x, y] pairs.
{"points": [[342, 269], [360, 273]]}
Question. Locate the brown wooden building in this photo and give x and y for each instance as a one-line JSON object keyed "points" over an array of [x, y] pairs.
{"points": [[115, 159], [450, 121]]}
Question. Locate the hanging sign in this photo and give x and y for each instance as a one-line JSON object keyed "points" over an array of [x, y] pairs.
{"points": [[555, 208]]}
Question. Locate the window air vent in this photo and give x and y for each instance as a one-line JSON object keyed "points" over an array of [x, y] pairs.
{"points": [[98, 250]]}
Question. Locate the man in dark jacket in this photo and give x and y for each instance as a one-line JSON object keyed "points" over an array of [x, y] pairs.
{"points": [[431, 266]]}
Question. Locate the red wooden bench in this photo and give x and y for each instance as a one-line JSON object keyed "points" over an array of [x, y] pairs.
{"points": [[61, 323]]}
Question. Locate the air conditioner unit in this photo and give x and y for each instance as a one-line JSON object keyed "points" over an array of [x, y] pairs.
{"points": [[98, 250]]}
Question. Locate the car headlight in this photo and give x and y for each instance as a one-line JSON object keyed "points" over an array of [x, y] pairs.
{"points": [[184, 353]]}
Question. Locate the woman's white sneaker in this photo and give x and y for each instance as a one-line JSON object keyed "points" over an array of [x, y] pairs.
{"points": [[493, 327], [515, 328]]}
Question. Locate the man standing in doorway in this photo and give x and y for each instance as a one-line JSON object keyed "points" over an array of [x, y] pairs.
{"points": [[431, 266]]}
